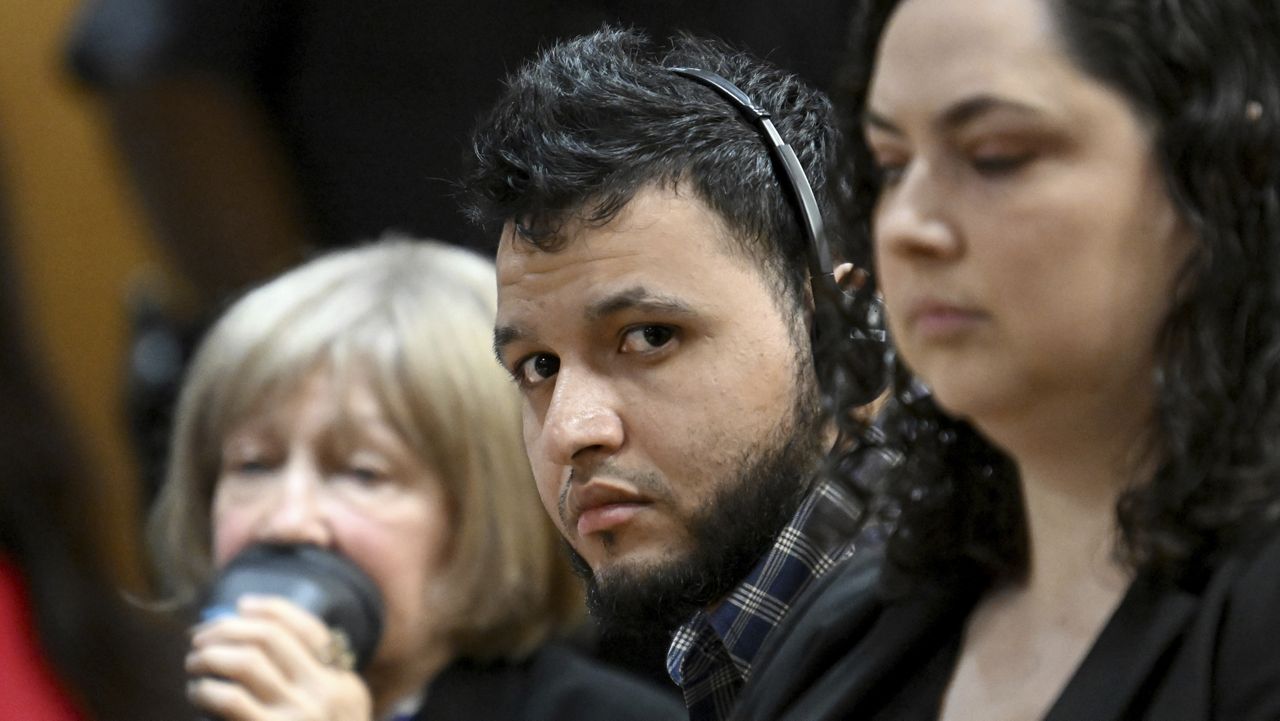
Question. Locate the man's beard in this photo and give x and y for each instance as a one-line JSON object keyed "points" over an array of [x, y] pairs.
{"points": [[730, 533]]}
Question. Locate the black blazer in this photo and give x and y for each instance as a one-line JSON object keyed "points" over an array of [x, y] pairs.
{"points": [[554, 684], [1168, 653]]}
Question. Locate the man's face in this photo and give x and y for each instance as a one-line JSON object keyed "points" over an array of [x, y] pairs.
{"points": [[660, 377]]}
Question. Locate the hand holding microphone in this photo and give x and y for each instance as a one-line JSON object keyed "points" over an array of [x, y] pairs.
{"points": [[284, 630]]}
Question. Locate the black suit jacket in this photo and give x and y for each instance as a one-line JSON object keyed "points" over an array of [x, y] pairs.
{"points": [[1169, 653], [554, 684]]}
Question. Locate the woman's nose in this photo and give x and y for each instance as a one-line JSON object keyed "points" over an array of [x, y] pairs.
{"points": [[911, 216], [297, 512]]}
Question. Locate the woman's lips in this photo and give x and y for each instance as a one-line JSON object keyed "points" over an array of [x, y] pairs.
{"points": [[939, 320]]}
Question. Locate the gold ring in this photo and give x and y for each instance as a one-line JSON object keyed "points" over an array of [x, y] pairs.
{"points": [[337, 652]]}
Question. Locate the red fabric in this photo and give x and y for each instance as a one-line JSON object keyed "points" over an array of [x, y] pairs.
{"points": [[29, 690]]}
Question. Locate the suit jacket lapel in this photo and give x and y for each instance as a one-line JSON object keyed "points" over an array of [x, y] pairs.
{"points": [[1130, 648]]}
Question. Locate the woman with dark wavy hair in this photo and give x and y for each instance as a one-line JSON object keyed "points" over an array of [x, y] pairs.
{"points": [[1074, 211]]}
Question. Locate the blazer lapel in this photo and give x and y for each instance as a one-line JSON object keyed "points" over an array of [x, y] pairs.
{"points": [[1114, 673]]}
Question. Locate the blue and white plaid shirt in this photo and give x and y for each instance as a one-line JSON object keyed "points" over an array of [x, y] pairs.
{"points": [[711, 655]]}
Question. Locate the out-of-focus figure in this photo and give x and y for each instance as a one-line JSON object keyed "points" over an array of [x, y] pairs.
{"points": [[71, 647], [354, 404]]}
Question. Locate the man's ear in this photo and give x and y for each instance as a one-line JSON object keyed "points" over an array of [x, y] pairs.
{"points": [[810, 313], [849, 277], [841, 272]]}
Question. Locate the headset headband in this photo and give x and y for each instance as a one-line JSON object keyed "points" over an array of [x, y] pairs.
{"points": [[793, 174]]}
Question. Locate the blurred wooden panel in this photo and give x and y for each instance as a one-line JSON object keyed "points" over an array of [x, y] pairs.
{"points": [[80, 239]]}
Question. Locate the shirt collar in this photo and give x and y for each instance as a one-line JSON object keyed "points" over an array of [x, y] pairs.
{"points": [[711, 655]]}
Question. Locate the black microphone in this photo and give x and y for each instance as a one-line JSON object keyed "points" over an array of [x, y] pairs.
{"points": [[322, 582]]}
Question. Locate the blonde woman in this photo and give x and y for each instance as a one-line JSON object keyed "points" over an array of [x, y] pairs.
{"points": [[354, 404]]}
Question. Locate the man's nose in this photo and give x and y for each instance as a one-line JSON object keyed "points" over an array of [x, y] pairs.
{"points": [[297, 514], [581, 417]]}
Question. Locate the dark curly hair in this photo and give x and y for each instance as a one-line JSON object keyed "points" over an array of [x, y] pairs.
{"points": [[1205, 74], [589, 122]]}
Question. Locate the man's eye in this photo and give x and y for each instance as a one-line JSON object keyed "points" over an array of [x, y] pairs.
{"points": [[646, 338], [537, 368]]}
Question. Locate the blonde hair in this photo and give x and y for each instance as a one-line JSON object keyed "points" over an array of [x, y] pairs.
{"points": [[415, 318]]}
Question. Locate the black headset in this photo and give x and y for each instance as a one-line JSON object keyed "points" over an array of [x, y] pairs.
{"points": [[806, 203], [821, 280], [793, 177]]}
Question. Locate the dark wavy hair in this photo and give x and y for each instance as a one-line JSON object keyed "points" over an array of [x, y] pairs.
{"points": [[1205, 74], [589, 122]]}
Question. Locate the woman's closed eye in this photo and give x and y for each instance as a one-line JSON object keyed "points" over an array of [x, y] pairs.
{"points": [[1000, 163], [366, 466], [888, 154], [888, 174], [249, 464], [364, 473], [887, 167], [994, 154]]}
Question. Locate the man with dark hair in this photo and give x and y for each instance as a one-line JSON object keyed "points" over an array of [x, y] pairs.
{"points": [[654, 307]]}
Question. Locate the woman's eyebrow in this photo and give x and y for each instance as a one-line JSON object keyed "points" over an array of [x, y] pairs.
{"points": [[956, 115]]}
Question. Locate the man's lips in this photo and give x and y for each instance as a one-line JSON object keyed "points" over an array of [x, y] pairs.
{"points": [[604, 518], [601, 506]]}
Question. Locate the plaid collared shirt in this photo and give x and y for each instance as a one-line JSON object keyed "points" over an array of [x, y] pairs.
{"points": [[711, 655]]}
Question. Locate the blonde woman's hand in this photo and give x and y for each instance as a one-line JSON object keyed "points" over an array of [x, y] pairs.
{"points": [[273, 661]]}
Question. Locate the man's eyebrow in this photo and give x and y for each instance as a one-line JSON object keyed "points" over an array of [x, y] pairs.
{"points": [[636, 298], [503, 336]]}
